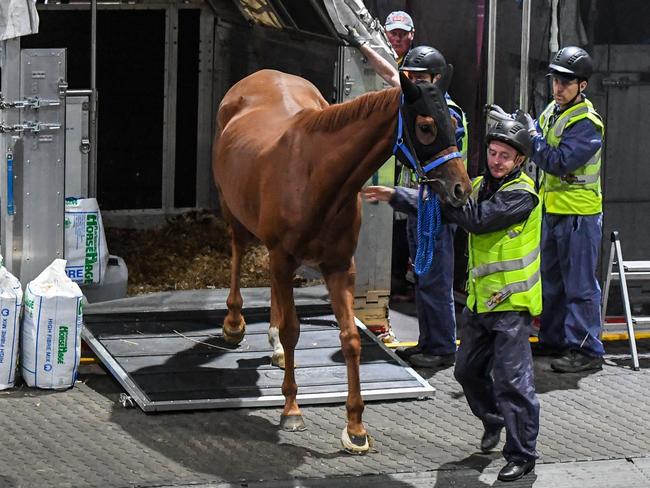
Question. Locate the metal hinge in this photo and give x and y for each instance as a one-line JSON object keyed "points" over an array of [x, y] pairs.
{"points": [[348, 83]]}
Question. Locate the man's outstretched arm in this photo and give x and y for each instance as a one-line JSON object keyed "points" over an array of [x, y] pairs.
{"points": [[382, 67]]}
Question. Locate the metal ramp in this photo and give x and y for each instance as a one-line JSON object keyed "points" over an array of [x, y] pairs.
{"points": [[177, 360]]}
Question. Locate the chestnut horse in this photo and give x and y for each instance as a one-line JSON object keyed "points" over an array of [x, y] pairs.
{"points": [[289, 168]]}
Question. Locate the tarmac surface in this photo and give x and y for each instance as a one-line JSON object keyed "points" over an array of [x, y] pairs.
{"points": [[595, 432]]}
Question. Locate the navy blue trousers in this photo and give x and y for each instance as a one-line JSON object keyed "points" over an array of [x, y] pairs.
{"points": [[434, 298], [494, 365], [571, 318]]}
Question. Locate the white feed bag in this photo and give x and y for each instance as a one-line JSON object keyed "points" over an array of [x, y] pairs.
{"points": [[11, 299], [51, 332], [85, 242]]}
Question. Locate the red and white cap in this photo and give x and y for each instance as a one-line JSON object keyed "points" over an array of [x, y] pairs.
{"points": [[399, 20]]}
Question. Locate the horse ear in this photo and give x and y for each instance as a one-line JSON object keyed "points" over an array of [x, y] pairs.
{"points": [[445, 80], [410, 90]]}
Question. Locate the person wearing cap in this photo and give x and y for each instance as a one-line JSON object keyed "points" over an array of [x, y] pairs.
{"points": [[568, 149], [400, 30], [434, 299], [494, 364]]}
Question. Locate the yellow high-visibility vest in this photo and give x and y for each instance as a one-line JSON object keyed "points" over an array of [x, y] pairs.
{"points": [[577, 193], [504, 265]]}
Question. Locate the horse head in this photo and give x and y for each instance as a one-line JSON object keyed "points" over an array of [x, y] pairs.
{"points": [[429, 130]]}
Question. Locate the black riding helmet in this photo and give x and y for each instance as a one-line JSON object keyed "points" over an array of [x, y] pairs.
{"points": [[512, 133], [572, 62], [424, 58]]}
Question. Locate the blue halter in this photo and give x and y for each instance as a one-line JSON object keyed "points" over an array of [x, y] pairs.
{"points": [[429, 221], [412, 158]]}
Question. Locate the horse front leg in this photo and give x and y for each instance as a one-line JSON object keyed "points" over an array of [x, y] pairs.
{"points": [[283, 314], [274, 330], [340, 283], [234, 325]]}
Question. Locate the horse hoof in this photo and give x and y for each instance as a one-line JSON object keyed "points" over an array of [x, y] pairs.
{"points": [[234, 335], [292, 423], [355, 444], [278, 360]]}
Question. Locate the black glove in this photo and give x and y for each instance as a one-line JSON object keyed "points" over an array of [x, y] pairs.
{"points": [[352, 37]]}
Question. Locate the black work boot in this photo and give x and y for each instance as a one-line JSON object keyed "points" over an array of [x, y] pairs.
{"points": [[406, 352], [576, 362], [515, 470], [491, 437], [422, 360]]}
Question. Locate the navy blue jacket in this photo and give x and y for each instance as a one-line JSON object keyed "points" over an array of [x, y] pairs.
{"points": [[579, 143], [493, 211]]}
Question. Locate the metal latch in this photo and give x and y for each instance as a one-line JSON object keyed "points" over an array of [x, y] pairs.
{"points": [[4, 129], [33, 103], [63, 87], [84, 147], [34, 127]]}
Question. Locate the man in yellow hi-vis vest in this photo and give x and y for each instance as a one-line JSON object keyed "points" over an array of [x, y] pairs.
{"points": [[494, 364], [568, 150]]}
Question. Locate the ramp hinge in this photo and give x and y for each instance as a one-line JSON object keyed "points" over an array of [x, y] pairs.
{"points": [[126, 401]]}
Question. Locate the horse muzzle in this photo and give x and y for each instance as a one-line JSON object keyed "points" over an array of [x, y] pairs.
{"points": [[454, 193]]}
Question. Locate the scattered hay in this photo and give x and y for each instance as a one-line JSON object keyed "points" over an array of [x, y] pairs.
{"points": [[192, 251]]}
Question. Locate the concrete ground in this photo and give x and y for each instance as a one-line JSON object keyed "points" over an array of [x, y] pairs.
{"points": [[594, 433]]}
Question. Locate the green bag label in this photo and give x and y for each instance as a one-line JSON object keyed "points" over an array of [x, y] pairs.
{"points": [[63, 344], [92, 234]]}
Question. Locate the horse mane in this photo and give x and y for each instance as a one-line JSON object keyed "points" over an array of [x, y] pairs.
{"points": [[338, 115]]}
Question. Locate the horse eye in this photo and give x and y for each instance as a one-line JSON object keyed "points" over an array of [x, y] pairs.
{"points": [[425, 128]]}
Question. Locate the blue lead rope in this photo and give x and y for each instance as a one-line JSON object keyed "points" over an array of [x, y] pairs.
{"points": [[429, 207], [428, 229]]}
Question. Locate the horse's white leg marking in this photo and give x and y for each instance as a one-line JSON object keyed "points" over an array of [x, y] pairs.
{"points": [[278, 350]]}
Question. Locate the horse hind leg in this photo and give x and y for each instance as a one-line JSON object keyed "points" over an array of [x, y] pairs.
{"points": [[234, 325], [286, 319]]}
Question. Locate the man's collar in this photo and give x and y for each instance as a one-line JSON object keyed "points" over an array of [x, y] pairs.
{"points": [[509, 177], [580, 99]]}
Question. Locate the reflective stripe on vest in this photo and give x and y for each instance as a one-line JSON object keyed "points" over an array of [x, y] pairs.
{"points": [[519, 287], [505, 264], [578, 192], [511, 265]]}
